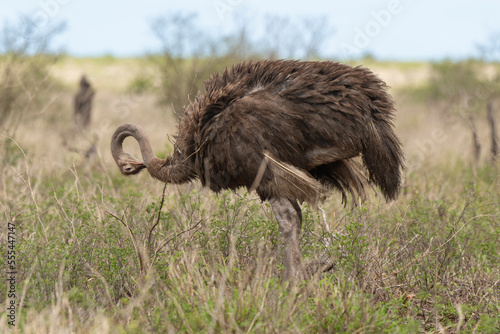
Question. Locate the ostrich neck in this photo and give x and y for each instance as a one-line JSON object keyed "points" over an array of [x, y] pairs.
{"points": [[146, 151], [174, 169], [171, 170]]}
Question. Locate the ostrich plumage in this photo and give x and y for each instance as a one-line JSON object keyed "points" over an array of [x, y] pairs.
{"points": [[290, 130]]}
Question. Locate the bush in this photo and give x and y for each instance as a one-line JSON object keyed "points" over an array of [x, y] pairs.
{"points": [[25, 82]]}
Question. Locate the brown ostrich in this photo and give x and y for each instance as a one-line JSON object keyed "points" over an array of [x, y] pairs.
{"points": [[290, 130], [83, 104]]}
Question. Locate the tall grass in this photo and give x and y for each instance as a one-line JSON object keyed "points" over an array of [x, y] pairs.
{"points": [[122, 256]]}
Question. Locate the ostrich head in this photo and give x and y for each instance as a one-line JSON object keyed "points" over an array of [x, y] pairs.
{"points": [[129, 165]]}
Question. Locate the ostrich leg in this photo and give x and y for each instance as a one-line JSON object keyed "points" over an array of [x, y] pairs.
{"points": [[289, 217]]}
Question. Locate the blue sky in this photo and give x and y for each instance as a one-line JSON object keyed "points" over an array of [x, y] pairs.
{"points": [[389, 29]]}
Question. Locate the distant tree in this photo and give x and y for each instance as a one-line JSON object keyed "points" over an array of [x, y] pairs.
{"points": [[26, 54], [284, 37], [464, 90], [189, 55], [185, 58], [27, 37], [460, 85], [490, 51]]}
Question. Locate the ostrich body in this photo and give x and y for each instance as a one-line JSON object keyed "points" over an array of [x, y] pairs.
{"points": [[290, 130]]}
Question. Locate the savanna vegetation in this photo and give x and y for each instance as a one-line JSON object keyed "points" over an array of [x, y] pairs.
{"points": [[98, 252]]}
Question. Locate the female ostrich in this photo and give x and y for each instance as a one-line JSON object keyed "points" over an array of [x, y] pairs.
{"points": [[290, 130]]}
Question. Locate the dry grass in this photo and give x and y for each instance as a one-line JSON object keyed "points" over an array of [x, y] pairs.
{"points": [[103, 253]]}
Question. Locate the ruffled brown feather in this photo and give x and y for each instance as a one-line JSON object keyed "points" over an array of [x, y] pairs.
{"points": [[282, 111]]}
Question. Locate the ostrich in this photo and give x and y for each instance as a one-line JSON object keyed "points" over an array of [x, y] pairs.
{"points": [[83, 104], [289, 130]]}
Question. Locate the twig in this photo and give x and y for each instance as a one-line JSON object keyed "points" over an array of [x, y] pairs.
{"points": [[487, 293], [494, 139], [172, 238], [132, 237], [158, 218]]}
